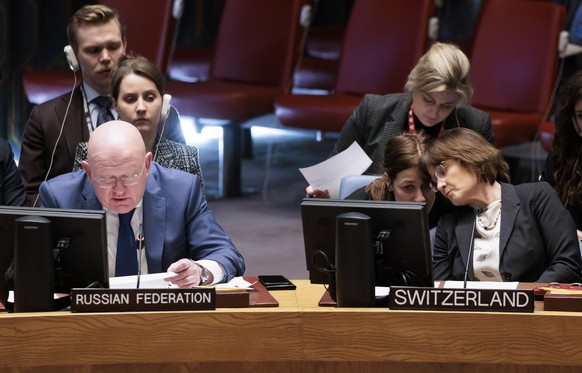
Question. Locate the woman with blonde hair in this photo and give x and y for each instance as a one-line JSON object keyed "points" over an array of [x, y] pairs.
{"points": [[436, 98]]}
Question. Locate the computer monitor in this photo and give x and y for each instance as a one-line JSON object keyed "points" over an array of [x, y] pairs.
{"points": [[400, 235], [79, 243]]}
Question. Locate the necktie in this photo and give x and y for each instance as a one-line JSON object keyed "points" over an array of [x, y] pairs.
{"points": [[104, 104], [126, 258]]}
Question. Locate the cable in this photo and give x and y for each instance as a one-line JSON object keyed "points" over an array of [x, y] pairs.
{"points": [[58, 138]]}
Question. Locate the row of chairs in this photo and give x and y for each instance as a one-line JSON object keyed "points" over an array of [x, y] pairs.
{"points": [[514, 60]]}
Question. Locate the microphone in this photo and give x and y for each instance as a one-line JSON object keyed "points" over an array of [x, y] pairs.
{"points": [[139, 239], [477, 210]]}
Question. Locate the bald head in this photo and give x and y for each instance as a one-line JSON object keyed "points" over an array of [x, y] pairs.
{"points": [[113, 140], [118, 165]]}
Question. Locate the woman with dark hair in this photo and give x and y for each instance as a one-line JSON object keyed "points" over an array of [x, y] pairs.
{"points": [[137, 92], [516, 233], [563, 165], [402, 179]]}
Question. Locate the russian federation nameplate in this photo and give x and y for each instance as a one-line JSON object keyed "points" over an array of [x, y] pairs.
{"points": [[118, 300]]}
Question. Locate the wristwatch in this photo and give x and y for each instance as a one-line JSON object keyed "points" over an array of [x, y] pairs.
{"points": [[204, 275]]}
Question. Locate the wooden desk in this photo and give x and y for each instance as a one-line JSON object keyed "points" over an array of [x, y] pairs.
{"points": [[298, 336]]}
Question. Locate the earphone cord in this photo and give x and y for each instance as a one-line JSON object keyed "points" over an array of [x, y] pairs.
{"points": [[58, 138]]}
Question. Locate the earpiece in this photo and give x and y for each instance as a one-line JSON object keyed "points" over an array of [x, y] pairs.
{"points": [[164, 114], [165, 111], [71, 58]]}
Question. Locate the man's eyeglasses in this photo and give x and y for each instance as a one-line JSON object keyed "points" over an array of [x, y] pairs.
{"points": [[440, 173], [110, 182]]}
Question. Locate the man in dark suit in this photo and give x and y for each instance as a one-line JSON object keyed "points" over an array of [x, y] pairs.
{"points": [[11, 188], [97, 40], [181, 234]]}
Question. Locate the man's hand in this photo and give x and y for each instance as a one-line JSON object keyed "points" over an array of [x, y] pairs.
{"points": [[187, 274]]}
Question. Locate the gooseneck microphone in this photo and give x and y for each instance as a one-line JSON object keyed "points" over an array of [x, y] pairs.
{"points": [[477, 210], [139, 239]]}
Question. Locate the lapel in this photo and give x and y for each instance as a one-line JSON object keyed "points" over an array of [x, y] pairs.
{"points": [[88, 200], [154, 221], [75, 126], [509, 211], [463, 231], [399, 116]]}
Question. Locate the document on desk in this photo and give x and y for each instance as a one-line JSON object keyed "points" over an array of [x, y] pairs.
{"points": [[328, 174], [156, 281], [481, 285]]}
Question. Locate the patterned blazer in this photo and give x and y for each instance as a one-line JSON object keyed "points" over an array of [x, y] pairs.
{"points": [[169, 154], [379, 118]]}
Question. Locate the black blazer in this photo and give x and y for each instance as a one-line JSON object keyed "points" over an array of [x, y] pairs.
{"points": [[537, 242], [379, 118], [11, 188]]}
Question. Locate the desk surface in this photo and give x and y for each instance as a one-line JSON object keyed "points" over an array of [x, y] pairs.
{"points": [[296, 336]]}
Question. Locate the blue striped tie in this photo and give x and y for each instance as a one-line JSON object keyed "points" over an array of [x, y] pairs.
{"points": [[104, 105]]}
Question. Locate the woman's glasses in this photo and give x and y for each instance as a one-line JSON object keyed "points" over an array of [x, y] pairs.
{"points": [[440, 173]]}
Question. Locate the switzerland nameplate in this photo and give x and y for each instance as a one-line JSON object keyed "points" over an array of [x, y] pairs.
{"points": [[485, 300], [117, 300]]}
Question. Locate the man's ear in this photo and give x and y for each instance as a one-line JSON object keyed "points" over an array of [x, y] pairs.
{"points": [[86, 167], [148, 162]]}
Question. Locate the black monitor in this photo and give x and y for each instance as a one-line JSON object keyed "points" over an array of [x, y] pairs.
{"points": [[400, 234], [79, 241]]}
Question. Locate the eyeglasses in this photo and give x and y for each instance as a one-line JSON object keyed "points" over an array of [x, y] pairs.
{"points": [[110, 182], [440, 173]]}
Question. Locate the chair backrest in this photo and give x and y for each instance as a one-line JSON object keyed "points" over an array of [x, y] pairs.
{"points": [[515, 55], [257, 41], [383, 41], [151, 27], [351, 183]]}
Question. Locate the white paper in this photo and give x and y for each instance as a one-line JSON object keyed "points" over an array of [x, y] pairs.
{"points": [[481, 285], [149, 281], [156, 281], [329, 173]]}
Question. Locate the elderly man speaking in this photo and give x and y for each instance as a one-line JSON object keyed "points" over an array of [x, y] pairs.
{"points": [[181, 234]]}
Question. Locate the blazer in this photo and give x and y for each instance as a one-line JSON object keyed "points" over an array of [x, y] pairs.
{"points": [[11, 188], [176, 219], [168, 153], [42, 131], [379, 118], [537, 242]]}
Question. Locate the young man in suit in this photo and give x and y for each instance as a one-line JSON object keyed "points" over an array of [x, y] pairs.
{"points": [[180, 233], [97, 39]]}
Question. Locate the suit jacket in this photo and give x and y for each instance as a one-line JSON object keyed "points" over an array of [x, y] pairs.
{"points": [[42, 131], [11, 188], [537, 242], [176, 224], [379, 118]]}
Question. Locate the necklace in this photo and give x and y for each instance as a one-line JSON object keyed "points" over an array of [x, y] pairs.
{"points": [[489, 218]]}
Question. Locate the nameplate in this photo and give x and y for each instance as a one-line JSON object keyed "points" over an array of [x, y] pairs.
{"points": [[484, 300], [119, 300]]}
